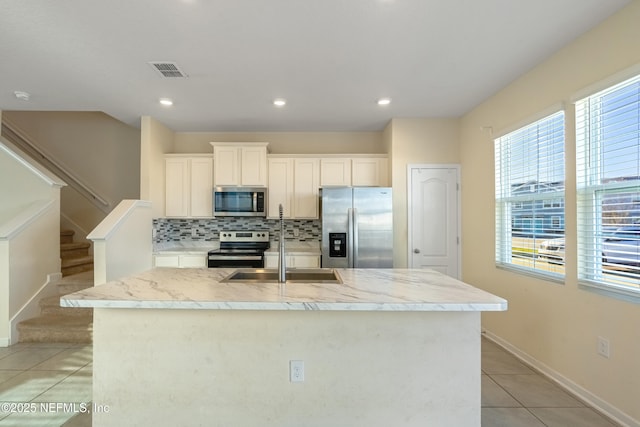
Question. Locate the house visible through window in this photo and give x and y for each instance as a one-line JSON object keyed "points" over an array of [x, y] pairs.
{"points": [[530, 183], [608, 155]]}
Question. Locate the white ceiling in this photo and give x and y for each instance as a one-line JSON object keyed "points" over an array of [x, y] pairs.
{"points": [[330, 59]]}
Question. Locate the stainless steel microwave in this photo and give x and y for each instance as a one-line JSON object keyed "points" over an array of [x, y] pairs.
{"points": [[240, 201]]}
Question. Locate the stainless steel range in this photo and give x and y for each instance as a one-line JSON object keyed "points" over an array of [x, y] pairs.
{"points": [[240, 249]]}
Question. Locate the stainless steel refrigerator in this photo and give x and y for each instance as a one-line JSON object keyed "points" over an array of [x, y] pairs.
{"points": [[357, 227]]}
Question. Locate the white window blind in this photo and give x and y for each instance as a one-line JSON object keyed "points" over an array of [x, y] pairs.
{"points": [[529, 197], [608, 184]]}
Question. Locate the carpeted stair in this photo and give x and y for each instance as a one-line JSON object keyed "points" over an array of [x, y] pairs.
{"points": [[74, 256], [64, 324], [61, 324]]}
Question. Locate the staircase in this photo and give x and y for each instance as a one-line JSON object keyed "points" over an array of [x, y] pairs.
{"points": [[75, 255], [64, 324]]}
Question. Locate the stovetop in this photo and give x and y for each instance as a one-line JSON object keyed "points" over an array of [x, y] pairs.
{"points": [[242, 242]]}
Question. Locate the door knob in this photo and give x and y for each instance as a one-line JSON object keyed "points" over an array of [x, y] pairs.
{"points": [[416, 251]]}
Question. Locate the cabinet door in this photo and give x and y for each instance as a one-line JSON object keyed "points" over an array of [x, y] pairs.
{"points": [[306, 188], [253, 166], [371, 172], [226, 165], [335, 172], [280, 186], [176, 187], [193, 261], [201, 187], [270, 261], [166, 261], [304, 261]]}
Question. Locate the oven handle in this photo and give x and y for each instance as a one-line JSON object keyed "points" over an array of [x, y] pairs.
{"points": [[234, 258]]}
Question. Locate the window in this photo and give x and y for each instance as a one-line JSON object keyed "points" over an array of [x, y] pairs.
{"points": [[608, 173], [530, 197]]}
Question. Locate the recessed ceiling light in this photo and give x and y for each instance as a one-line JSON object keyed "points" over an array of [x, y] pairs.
{"points": [[384, 101], [279, 102], [21, 95], [166, 102]]}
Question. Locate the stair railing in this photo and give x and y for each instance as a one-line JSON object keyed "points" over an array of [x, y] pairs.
{"points": [[22, 141]]}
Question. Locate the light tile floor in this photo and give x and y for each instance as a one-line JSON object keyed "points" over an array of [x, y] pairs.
{"points": [[43, 375], [514, 395], [45, 385]]}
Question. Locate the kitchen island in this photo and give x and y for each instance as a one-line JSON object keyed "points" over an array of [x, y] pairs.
{"points": [[385, 347]]}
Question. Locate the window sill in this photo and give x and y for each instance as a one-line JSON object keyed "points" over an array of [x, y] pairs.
{"points": [[623, 293], [549, 277]]}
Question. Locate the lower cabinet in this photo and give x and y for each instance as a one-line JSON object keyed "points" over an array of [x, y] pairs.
{"points": [[180, 260], [293, 261]]}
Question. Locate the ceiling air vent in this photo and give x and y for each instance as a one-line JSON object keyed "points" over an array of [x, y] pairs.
{"points": [[168, 69]]}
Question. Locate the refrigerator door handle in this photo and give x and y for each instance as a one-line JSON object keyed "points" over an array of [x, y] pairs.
{"points": [[355, 238], [350, 260]]}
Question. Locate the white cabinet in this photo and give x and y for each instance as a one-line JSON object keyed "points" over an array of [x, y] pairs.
{"points": [[369, 172], [294, 183], [335, 172], [180, 260], [354, 171], [293, 261], [166, 260], [240, 164], [280, 186], [305, 261], [306, 188], [188, 186]]}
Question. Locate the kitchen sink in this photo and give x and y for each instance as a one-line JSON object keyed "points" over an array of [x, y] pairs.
{"points": [[306, 275]]}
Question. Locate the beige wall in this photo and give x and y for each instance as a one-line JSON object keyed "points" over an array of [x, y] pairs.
{"points": [[155, 141], [285, 142], [415, 141], [103, 153], [556, 324]]}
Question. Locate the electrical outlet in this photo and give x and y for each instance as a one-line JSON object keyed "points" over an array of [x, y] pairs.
{"points": [[603, 347], [194, 232], [296, 232], [296, 371]]}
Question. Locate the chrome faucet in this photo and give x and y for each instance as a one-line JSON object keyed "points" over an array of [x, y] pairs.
{"points": [[282, 266]]}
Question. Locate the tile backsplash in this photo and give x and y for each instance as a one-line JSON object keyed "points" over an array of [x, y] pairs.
{"points": [[167, 230]]}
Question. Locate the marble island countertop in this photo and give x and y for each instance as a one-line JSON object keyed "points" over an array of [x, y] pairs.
{"points": [[361, 290]]}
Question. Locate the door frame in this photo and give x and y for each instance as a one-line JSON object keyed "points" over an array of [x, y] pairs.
{"points": [[410, 168]]}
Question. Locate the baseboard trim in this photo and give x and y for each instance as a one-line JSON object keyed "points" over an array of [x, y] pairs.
{"points": [[564, 382]]}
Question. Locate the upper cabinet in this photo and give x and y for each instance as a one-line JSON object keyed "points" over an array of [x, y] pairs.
{"points": [[369, 172], [306, 187], [335, 172], [280, 186], [354, 171], [240, 164], [188, 185], [294, 183]]}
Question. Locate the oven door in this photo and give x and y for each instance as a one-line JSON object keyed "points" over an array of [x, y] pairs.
{"points": [[235, 261]]}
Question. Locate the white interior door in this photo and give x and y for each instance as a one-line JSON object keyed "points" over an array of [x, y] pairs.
{"points": [[434, 218]]}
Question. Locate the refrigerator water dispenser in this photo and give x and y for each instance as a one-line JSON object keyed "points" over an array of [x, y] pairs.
{"points": [[337, 245]]}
